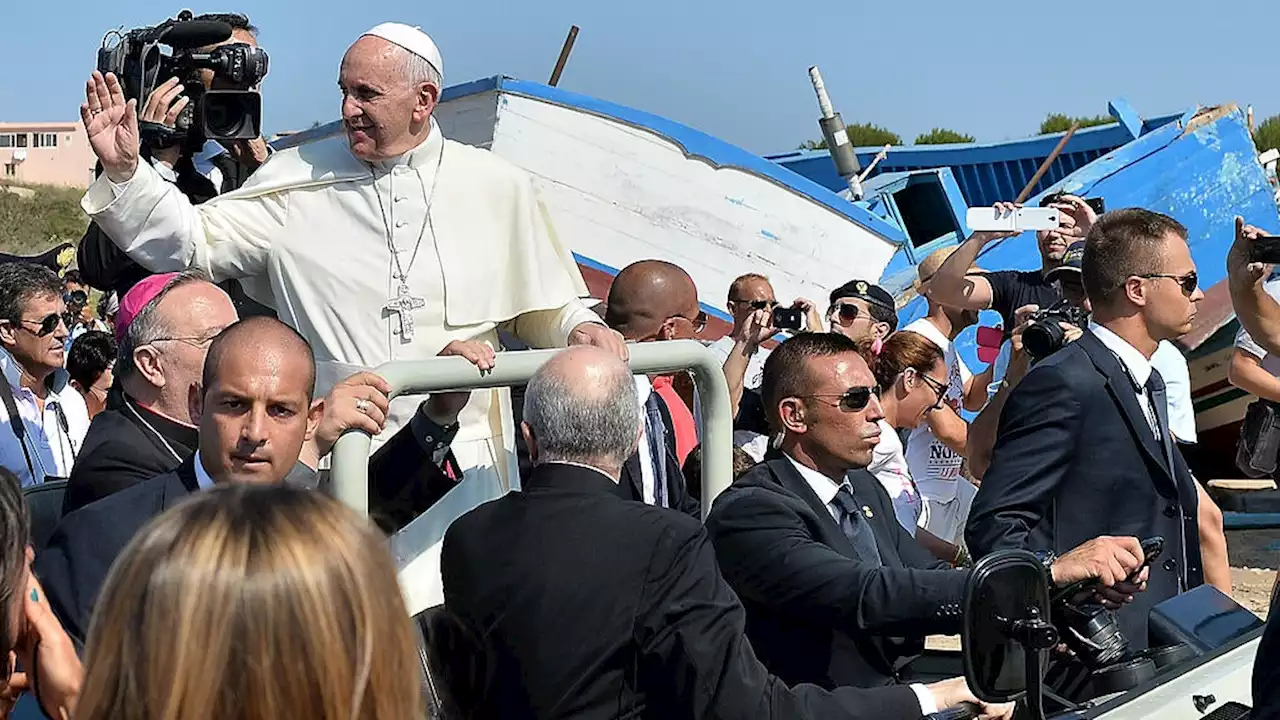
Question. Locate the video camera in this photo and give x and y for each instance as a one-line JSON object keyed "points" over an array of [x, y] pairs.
{"points": [[1044, 336], [137, 60]]}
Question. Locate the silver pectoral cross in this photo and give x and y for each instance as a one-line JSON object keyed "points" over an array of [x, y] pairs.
{"points": [[403, 304]]}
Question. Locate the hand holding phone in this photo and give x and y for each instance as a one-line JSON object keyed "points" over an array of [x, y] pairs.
{"points": [[1265, 249], [995, 219]]}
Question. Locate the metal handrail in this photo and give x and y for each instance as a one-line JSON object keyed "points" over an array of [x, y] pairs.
{"points": [[350, 468]]}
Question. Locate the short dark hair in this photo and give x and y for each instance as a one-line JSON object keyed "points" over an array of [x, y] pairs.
{"points": [[1121, 244], [259, 323], [20, 282], [785, 374], [72, 276], [237, 21], [91, 354]]}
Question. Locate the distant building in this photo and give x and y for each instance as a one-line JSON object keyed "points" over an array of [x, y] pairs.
{"points": [[46, 154]]}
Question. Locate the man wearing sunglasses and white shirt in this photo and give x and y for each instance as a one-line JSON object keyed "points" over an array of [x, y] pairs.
{"points": [[752, 302], [42, 441], [1084, 446], [837, 592]]}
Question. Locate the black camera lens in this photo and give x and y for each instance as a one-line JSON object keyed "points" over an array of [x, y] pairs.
{"points": [[232, 114], [1042, 339]]}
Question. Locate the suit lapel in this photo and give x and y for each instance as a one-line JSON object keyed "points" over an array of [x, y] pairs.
{"points": [[1120, 384], [793, 481]]}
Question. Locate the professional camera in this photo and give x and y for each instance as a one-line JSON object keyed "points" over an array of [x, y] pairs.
{"points": [[1044, 336], [137, 60]]}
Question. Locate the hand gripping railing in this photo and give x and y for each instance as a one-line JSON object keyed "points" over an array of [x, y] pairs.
{"points": [[350, 469]]}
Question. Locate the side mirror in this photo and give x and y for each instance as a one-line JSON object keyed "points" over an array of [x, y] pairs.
{"points": [[1006, 630]]}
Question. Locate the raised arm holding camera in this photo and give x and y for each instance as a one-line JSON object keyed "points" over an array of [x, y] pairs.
{"points": [[200, 126]]}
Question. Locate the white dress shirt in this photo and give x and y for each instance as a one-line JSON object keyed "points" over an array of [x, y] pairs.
{"points": [[1172, 364], [51, 446], [826, 488], [203, 481], [1135, 363], [644, 388]]}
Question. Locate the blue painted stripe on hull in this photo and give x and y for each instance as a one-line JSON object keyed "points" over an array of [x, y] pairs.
{"points": [[596, 265]]}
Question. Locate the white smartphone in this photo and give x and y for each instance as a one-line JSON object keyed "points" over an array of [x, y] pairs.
{"points": [[990, 219]]}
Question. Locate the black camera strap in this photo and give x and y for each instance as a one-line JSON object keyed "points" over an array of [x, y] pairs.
{"points": [[16, 422]]}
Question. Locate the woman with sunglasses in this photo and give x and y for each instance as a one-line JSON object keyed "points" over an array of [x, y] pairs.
{"points": [[910, 371]]}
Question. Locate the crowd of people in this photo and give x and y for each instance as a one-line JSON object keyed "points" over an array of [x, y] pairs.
{"points": [[195, 565]]}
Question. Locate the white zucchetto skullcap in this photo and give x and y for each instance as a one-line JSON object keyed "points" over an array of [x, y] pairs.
{"points": [[412, 39]]}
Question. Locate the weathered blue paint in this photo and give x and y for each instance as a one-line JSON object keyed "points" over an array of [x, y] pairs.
{"points": [[1203, 178], [585, 261], [988, 172]]}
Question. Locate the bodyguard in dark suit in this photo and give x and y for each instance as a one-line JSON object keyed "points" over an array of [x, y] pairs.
{"points": [[594, 607], [256, 417], [837, 592], [648, 301], [1083, 447]]}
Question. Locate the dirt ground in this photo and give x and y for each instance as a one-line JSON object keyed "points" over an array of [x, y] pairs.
{"points": [[1255, 558]]}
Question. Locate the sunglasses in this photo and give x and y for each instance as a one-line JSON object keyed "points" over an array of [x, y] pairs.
{"points": [[699, 321], [854, 399], [1189, 282], [46, 325], [757, 304], [939, 389], [846, 312]]}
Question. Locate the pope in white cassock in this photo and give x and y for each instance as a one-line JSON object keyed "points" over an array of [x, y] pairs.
{"points": [[385, 244]]}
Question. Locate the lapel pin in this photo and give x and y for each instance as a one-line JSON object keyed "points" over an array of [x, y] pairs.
{"points": [[867, 511]]}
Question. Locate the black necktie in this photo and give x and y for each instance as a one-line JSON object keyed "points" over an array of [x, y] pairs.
{"points": [[855, 526], [1160, 406], [655, 432]]}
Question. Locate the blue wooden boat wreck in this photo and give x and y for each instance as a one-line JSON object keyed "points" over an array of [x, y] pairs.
{"points": [[1200, 167]]}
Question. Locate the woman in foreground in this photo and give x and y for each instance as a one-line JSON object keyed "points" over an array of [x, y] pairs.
{"points": [[253, 602]]}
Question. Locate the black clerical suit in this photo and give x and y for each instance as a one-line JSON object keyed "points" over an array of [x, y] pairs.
{"points": [[1076, 458], [631, 483], [596, 608], [105, 266], [403, 483], [126, 444], [819, 609]]}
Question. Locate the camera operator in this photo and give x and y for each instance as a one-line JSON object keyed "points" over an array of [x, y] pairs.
{"points": [[217, 168], [958, 285], [752, 303], [1084, 446]]}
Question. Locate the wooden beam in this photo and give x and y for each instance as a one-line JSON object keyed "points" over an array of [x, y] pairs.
{"points": [[1044, 166], [564, 56]]}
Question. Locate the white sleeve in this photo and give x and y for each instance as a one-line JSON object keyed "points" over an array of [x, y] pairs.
{"points": [[550, 328], [158, 227], [1246, 343], [928, 703]]}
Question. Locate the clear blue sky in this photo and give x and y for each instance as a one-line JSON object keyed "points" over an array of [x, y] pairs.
{"points": [[992, 68]]}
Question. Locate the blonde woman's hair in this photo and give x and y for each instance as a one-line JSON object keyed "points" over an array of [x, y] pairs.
{"points": [[253, 603]]}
